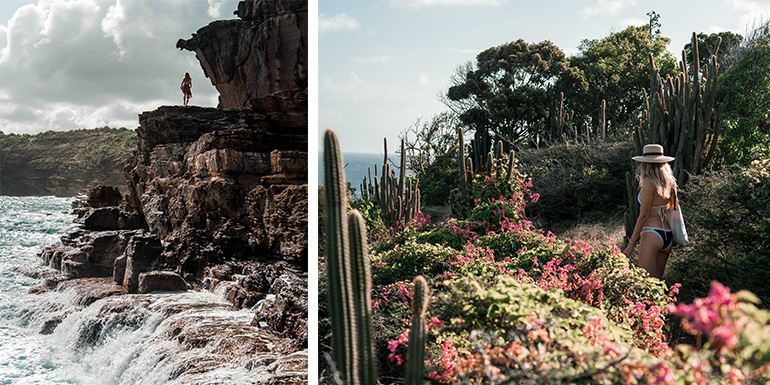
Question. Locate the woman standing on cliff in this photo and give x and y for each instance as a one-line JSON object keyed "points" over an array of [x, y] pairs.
{"points": [[187, 87], [657, 192]]}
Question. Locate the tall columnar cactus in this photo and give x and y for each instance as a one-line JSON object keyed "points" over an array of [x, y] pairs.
{"points": [[683, 115], [398, 197], [603, 120], [415, 365], [461, 162], [349, 278], [350, 286]]}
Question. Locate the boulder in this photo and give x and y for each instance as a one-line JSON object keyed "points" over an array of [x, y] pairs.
{"points": [[161, 281], [104, 196], [105, 218], [92, 254], [141, 254]]}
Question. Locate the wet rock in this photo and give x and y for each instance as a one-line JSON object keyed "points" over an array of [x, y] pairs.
{"points": [[287, 314], [89, 290], [50, 325], [119, 269], [161, 281], [105, 218], [141, 253], [93, 254]]}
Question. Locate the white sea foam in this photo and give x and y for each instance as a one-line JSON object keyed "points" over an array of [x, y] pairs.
{"points": [[137, 339]]}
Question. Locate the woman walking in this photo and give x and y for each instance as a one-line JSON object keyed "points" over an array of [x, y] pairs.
{"points": [[657, 192]]}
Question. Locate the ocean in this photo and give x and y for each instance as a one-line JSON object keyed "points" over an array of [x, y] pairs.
{"points": [[357, 167], [129, 339]]}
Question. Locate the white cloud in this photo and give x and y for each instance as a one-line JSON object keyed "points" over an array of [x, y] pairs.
{"points": [[715, 29], [215, 8], [754, 13], [374, 59], [85, 63], [350, 89], [606, 7], [428, 3], [339, 22]]}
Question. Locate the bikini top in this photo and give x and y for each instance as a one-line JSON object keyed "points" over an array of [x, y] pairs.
{"points": [[661, 209]]}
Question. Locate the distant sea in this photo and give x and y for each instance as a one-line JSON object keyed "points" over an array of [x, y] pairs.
{"points": [[357, 166]]}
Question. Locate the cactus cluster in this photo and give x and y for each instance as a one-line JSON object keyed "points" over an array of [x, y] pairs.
{"points": [[466, 163], [397, 197], [563, 128], [684, 116], [350, 286]]}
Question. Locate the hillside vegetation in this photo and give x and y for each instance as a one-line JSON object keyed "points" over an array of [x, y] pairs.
{"points": [[63, 163]]}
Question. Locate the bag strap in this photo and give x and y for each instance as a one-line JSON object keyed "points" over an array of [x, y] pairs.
{"points": [[674, 199]]}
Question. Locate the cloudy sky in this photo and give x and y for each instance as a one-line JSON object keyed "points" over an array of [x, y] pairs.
{"points": [[70, 64], [382, 63]]}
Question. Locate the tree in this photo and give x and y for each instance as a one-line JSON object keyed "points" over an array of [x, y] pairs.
{"points": [[506, 94], [616, 69], [654, 23], [747, 118], [709, 45]]}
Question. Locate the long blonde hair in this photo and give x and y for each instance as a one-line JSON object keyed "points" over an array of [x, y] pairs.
{"points": [[661, 176]]}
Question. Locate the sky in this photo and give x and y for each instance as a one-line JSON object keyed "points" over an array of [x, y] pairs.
{"points": [[383, 63], [72, 64]]}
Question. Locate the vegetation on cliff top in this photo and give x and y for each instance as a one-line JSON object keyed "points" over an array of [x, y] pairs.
{"points": [[63, 162]]}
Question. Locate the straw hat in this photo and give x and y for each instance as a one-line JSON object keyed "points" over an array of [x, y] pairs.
{"points": [[653, 153]]}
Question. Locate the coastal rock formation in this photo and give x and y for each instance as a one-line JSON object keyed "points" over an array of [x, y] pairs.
{"points": [[217, 197], [234, 186]]}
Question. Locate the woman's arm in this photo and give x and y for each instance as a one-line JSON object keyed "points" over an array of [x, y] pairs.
{"points": [[646, 198]]}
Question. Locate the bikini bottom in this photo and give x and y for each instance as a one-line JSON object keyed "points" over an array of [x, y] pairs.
{"points": [[666, 236]]}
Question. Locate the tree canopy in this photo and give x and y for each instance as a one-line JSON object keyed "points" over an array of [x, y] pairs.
{"points": [[710, 44], [506, 93], [616, 69]]}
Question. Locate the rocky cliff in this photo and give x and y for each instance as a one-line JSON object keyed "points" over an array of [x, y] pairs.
{"points": [[217, 197], [259, 60]]}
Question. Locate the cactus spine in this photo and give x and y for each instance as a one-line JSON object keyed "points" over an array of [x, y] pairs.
{"points": [[415, 365], [349, 278]]}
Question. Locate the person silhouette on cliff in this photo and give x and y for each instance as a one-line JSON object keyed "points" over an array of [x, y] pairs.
{"points": [[187, 87]]}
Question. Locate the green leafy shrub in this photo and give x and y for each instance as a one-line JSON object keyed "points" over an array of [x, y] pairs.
{"points": [[728, 218]]}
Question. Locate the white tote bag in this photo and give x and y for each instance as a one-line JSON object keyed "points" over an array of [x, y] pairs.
{"points": [[676, 223]]}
